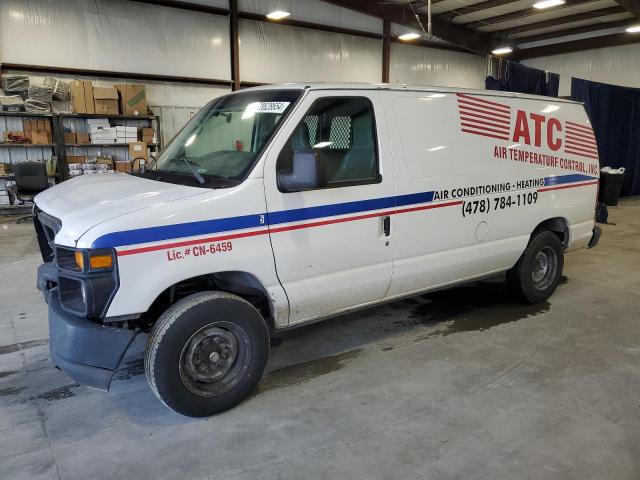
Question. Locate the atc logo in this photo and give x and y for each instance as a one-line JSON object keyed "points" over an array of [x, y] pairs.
{"points": [[487, 118]]}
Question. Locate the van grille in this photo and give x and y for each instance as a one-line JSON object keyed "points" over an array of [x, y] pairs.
{"points": [[46, 229]]}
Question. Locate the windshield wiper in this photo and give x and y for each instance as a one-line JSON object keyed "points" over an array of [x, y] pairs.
{"points": [[195, 173]]}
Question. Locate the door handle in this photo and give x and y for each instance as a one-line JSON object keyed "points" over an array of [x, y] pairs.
{"points": [[386, 225]]}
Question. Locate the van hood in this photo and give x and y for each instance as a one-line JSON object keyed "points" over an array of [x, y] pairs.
{"points": [[83, 202]]}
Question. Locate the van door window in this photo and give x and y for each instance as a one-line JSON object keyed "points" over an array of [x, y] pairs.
{"points": [[341, 132]]}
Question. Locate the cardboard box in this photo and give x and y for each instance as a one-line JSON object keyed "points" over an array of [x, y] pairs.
{"points": [[77, 96], [82, 137], [138, 150], [82, 96], [148, 140], [147, 132], [105, 100], [133, 99], [76, 158], [47, 126], [88, 97], [5, 168], [69, 137], [123, 166], [40, 137], [26, 125], [104, 161]]}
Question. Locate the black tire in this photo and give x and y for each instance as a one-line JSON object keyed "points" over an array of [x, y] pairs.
{"points": [[186, 362], [528, 278]]}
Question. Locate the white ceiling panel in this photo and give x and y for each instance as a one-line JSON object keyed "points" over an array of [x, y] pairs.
{"points": [[567, 26], [550, 15]]}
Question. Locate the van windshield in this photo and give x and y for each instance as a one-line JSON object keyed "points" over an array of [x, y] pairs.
{"points": [[221, 143]]}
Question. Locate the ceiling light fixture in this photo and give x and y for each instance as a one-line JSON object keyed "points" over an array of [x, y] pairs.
{"points": [[634, 29], [277, 15], [548, 4], [408, 36], [502, 50]]}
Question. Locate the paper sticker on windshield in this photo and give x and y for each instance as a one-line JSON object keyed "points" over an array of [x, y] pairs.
{"points": [[272, 107]]}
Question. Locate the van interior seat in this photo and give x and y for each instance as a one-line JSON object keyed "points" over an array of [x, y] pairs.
{"points": [[359, 161]]}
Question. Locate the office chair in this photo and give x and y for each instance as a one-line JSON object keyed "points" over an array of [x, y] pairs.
{"points": [[31, 179]]}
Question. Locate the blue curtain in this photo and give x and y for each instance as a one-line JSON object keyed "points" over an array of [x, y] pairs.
{"points": [[615, 117], [522, 79]]}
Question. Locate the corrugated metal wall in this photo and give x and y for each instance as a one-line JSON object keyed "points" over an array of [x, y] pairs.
{"points": [[615, 65], [125, 36]]}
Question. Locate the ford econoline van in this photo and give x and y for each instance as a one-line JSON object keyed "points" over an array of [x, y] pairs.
{"points": [[283, 205]]}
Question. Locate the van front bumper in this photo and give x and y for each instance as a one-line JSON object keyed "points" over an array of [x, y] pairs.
{"points": [[87, 351]]}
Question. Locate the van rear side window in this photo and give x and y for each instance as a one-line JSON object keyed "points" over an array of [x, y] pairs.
{"points": [[341, 132]]}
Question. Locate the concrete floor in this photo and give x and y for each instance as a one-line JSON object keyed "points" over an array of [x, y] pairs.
{"points": [[458, 384]]}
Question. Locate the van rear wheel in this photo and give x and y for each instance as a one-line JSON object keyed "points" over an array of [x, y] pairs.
{"points": [[206, 353], [538, 271]]}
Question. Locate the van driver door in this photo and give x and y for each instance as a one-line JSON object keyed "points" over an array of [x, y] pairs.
{"points": [[331, 240]]}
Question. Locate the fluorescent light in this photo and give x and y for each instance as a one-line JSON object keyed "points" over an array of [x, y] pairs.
{"points": [[548, 4], [435, 149], [634, 29], [250, 110], [322, 144], [550, 108], [190, 140], [277, 15], [408, 36], [502, 50]]}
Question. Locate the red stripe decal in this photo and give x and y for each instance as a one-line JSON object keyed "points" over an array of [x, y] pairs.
{"points": [[482, 100], [485, 134], [579, 148], [580, 154], [484, 117], [462, 104], [503, 131], [583, 127], [561, 187], [482, 122], [582, 136], [282, 229], [586, 143]]}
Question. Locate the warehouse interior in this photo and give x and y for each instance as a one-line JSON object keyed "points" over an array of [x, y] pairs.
{"points": [[460, 382]]}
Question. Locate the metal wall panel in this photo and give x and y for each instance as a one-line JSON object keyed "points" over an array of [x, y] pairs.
{"points": [[315, 11], [115, 35], [615, 65], [274, 53], [429, 66]]}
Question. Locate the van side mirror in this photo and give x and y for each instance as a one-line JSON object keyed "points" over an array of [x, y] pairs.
{"points": [[307, 173]]}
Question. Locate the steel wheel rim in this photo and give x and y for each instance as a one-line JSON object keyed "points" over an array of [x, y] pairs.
{"points": [[544, 269], [215, 358]]}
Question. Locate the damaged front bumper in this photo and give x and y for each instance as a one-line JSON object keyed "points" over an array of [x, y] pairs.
{"points": [[87, 351]]}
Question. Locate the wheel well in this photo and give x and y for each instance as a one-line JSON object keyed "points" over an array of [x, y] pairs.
{"points": [[557, 225], [243, 284]]}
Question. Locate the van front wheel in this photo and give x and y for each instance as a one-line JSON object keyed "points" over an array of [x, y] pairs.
{"points": [[206, 353], [538, 271]]}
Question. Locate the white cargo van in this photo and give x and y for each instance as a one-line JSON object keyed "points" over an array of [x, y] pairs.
{"points": [[282, 205]]}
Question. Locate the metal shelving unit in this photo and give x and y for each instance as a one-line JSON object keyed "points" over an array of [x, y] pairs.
{"points": [[76, 122], [13, 153]]}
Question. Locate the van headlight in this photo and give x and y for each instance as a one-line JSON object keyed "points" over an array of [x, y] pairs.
{"points": [[87, 280]]}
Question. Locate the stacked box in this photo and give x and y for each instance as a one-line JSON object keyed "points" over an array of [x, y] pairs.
{"points": [[126, 134]]}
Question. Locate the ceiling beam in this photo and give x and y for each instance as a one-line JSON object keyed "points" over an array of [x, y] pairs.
{"points": [[402, 14], [477, 7], [554, 22], [577, 46], [527, 12], [632, 6], [594, 27]]}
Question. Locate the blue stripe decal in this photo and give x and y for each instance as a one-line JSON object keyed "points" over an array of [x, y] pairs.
{"points": [[562, 179], [220, 225], [206, 227]]}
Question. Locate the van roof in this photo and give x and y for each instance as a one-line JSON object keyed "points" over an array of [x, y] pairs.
{"points": [[405, 88]]}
